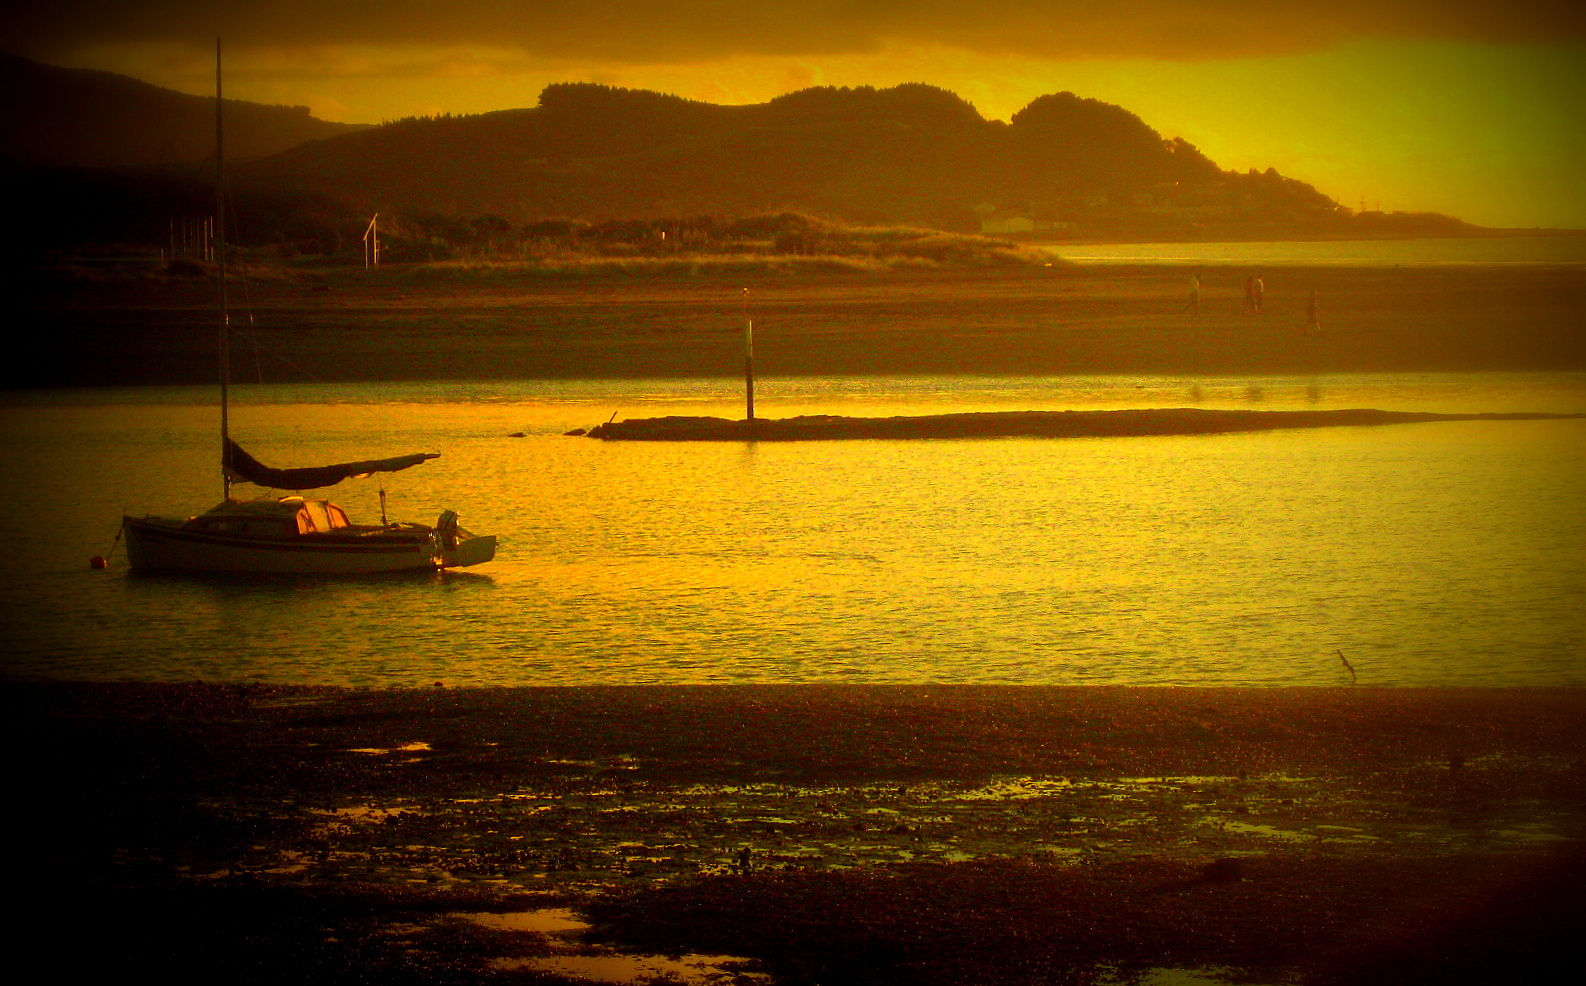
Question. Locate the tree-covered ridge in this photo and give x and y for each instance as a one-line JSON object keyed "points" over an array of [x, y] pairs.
{"points": [[912, 153], [589, 156]]}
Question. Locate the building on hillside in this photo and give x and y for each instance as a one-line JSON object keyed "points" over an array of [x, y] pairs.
{"points": [[1004, 223]]}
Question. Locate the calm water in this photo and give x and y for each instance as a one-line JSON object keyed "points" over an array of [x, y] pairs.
{"points": [[1530, 250], [1430, 554]]}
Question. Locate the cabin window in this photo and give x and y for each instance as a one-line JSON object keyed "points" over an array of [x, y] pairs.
{"points": [[319, 515]]}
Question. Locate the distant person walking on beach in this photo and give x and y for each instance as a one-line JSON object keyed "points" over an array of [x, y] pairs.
{"points": [[1313, 323], [1194, 304], [1258, 290]]}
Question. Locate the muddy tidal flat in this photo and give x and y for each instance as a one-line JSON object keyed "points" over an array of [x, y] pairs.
{"points": [[798, 835]]}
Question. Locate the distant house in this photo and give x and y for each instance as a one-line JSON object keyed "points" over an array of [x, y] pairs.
{"points": [[995, 224]]}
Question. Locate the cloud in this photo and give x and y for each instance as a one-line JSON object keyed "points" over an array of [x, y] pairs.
{"points": [[678, 32]]}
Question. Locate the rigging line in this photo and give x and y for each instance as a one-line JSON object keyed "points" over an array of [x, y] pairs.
{"points": [[120, 529], [305, 372], [253, 335], [247, 295], [377, 410]]}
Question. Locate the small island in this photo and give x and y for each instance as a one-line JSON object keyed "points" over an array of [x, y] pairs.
{"points": [[1018, 424]]}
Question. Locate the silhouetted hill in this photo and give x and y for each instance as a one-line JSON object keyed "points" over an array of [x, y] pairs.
{"points": [[917, 154], [908, 154], [641, 171], [85, 118]]}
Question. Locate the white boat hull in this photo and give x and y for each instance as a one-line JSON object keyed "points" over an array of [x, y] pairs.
{"points": [[161, 545]]}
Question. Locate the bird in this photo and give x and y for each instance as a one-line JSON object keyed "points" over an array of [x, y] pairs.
{"points": [[1347, 667]]}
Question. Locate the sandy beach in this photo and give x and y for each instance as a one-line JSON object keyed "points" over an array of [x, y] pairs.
{"points": [[798, 835], [426, 323]]}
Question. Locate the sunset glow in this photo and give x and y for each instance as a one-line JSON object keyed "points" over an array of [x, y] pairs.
{"points": [[1467, 109], [819, 492]]}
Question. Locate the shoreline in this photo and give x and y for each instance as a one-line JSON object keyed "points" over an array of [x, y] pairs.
{"points": [[349, 326], [1470, 233], [835, 834]]}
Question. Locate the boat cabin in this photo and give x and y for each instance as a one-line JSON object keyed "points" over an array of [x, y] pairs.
{"points": [[286, 517]]}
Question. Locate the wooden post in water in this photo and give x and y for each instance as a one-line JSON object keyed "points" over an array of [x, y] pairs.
{"points": [[748, 354]]}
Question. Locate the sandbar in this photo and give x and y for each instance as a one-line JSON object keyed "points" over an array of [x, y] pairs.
{"points": [[1021, 424]]}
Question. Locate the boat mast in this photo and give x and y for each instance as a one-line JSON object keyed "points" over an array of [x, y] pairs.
{"points": [[220, 255]]}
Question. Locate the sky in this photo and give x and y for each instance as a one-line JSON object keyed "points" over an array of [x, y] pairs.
{"points": [[1473, 108]]}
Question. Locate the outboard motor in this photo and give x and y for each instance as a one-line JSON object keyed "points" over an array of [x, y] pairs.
{"points": [[446, 530], [460, 547]]}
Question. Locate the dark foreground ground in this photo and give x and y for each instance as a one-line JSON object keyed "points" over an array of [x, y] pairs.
{"points": [[912, 835]]}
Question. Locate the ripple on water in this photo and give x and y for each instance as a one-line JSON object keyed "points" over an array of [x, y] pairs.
{"points": [[1438, 554]]}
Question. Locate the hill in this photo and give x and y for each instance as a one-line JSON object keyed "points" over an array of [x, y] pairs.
{"points": [[85, 118], [915, 154], [910, 154], [600, 168]]}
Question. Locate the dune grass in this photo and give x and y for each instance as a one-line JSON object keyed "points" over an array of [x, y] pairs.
{"points": [[846, 250]]}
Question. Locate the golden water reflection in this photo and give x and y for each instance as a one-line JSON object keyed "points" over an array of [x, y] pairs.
{"points": [[1450, 553]]}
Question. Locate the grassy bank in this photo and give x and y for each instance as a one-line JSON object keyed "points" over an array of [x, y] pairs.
{"points": [[811, 318]]}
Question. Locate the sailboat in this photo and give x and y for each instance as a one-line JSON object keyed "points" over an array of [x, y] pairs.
{"points": [[289, 535]]}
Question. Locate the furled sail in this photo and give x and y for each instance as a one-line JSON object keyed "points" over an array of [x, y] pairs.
{"points": [[242, 467]]}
